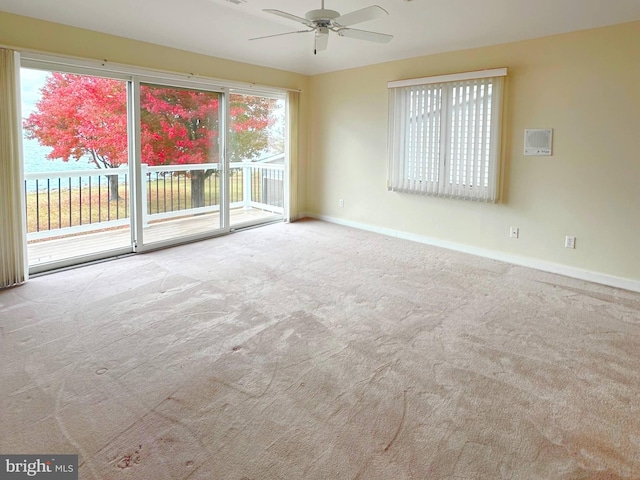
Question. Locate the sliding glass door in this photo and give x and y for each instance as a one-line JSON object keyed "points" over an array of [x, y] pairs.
{"points": [[181, 170], [256, 158], [116, 163], [189, 189], [76, 167]]}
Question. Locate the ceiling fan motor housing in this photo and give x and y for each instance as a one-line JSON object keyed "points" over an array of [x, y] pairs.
{"points": [[322, 17]]}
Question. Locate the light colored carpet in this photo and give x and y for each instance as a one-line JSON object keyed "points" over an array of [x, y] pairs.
{"points": [[314, 351]]}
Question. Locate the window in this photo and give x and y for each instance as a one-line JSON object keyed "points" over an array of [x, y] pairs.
{"points": [[444, 135]]}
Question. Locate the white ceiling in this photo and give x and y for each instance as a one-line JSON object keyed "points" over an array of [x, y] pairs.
{"points": [[222, 29]]}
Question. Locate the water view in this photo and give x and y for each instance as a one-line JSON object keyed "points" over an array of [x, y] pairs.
{"points": [[35, 160]]}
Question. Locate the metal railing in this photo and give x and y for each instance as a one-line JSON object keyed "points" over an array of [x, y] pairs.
{"points": [[71, 202]]}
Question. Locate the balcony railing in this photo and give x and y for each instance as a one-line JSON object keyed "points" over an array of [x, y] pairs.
{"points": [[72, 202]]}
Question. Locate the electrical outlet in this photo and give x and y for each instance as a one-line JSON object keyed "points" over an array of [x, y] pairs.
{"points": [[341, 202], [569, 242], [514, 232]]}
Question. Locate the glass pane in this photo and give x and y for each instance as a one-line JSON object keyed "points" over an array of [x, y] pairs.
{"points": [[256, 148], [180, 162], [75, 162]]}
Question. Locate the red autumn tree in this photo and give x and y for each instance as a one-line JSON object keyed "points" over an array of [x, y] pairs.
{"points": [[86, 117], [181, 126], [82, 117]]}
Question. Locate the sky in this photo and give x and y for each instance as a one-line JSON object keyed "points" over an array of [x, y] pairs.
{"points": [[31, 81]]}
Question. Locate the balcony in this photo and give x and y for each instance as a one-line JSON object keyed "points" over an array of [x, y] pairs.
{"points": [[82, 212]]}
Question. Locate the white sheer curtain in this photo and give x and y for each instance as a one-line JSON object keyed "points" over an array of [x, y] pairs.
{"points": [[13, 264], [293, 102]]}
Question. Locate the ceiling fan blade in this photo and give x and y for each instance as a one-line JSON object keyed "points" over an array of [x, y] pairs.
{"points": [[362, 15], [365, 35], [281, 34], [289, 16], [321, 40]]}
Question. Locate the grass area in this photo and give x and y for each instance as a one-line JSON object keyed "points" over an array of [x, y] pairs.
{"points": [[61, 208]]}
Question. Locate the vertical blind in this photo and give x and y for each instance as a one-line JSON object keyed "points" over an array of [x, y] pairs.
{"points": [[13, 262], [444, 135]]}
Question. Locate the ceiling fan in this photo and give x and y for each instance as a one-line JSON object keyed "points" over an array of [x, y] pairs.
{"points": [[322, 21]]}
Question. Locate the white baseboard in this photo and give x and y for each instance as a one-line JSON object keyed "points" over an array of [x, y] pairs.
{"points": [[578, 273]]}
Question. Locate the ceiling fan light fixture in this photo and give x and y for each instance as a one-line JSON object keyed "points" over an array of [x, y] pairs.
{"points": [[321, 39]]}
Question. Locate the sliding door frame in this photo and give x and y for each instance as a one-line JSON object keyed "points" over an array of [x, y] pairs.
{"points": [[50, 66], [281, 95], [223, 113], [134, 77]]}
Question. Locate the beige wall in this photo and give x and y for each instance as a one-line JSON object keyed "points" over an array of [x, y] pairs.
{"points": [[585, 85], [25, 33]]}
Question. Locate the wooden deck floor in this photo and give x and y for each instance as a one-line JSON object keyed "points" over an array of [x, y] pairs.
{"points": [[59, 249]]}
